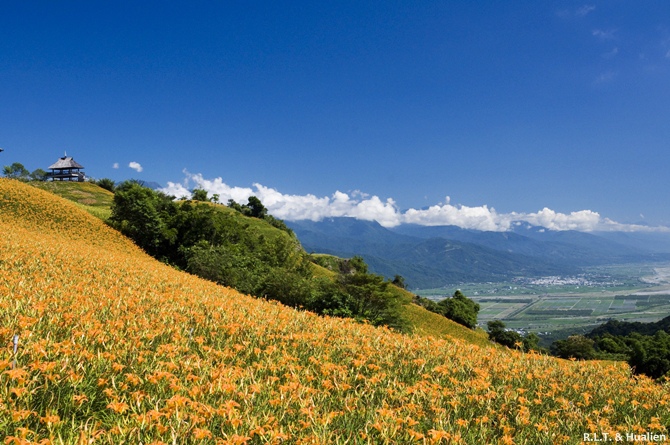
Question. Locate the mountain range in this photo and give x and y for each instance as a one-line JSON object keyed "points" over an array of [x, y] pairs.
{"points": [[435, 256]]}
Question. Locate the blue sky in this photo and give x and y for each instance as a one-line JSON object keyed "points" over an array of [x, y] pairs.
{"points": [[467, 113]]}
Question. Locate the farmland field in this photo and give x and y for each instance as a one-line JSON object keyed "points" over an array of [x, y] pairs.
{"points": [[639, 292]]}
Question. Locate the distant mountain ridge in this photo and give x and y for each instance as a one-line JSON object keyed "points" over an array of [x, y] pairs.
{"points": [[432, 256], [580, 248]]}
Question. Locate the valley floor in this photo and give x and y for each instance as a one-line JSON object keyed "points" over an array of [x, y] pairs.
{"points": [[573, 304]]}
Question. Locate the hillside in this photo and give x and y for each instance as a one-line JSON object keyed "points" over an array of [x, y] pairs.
{"points": [[115, 347], [420, 320], [256, 233], [86, 195]]}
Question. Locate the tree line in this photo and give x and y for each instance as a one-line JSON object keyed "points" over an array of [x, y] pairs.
{"points": [[20, 172], [644, 346]]}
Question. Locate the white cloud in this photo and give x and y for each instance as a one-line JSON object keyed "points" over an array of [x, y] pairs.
{"points": [[479, 218], [362, 206], [604, 35], [578, 13], [583, 221], [177, 190], [115, 165], [583, 11], [135, 166]]}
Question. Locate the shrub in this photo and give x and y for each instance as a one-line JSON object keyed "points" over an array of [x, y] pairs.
{"points": [[460, 309], [106, 183]]}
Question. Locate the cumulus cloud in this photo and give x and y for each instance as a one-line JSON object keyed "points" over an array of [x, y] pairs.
{"points": [[115, 165], [372, 208], [294, 207], [135, 166], [583, 220], [479, 218]]}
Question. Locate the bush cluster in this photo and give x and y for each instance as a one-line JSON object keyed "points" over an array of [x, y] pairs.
{"points": [[512, 339], [458, 308]]}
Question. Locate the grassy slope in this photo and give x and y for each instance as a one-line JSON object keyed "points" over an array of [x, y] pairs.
{"points": [[118, 348], [88, 196], [97, 201], [432, 324]]}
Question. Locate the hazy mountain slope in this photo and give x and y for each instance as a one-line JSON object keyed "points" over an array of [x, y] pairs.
{"points": [[569, 247], [424, 263], [350, 235], [461, 262], [433, 256], [657, 242]]}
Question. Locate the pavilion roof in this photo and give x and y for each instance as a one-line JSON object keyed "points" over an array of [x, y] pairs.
{"points": [[66, 162]]}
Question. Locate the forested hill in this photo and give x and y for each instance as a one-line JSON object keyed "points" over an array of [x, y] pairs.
{"points": [[646, 346], [623, 328]]}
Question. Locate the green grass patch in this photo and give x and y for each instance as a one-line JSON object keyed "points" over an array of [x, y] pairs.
{"points": [[87, 195], [428, 323]]}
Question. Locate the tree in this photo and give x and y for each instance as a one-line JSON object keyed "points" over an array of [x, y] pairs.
{"points": [[256, 208], [106, 183], [39, 175], [650, 354], [235, 206], [460, 309], [353, 265], [145, 216], [15, 171], [531, 341], [500, 335], [199, 195], [368, 296], [575, 346], [253, 208], [399, 281], [428, 304]]}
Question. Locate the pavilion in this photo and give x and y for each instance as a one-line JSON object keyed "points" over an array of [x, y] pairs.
{"points": [[66, 169]]}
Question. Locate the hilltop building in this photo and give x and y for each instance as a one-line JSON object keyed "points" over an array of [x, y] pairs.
{"points": [[66, 169]]}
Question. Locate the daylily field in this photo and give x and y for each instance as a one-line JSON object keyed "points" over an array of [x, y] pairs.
{"points": [[115, 347]]}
